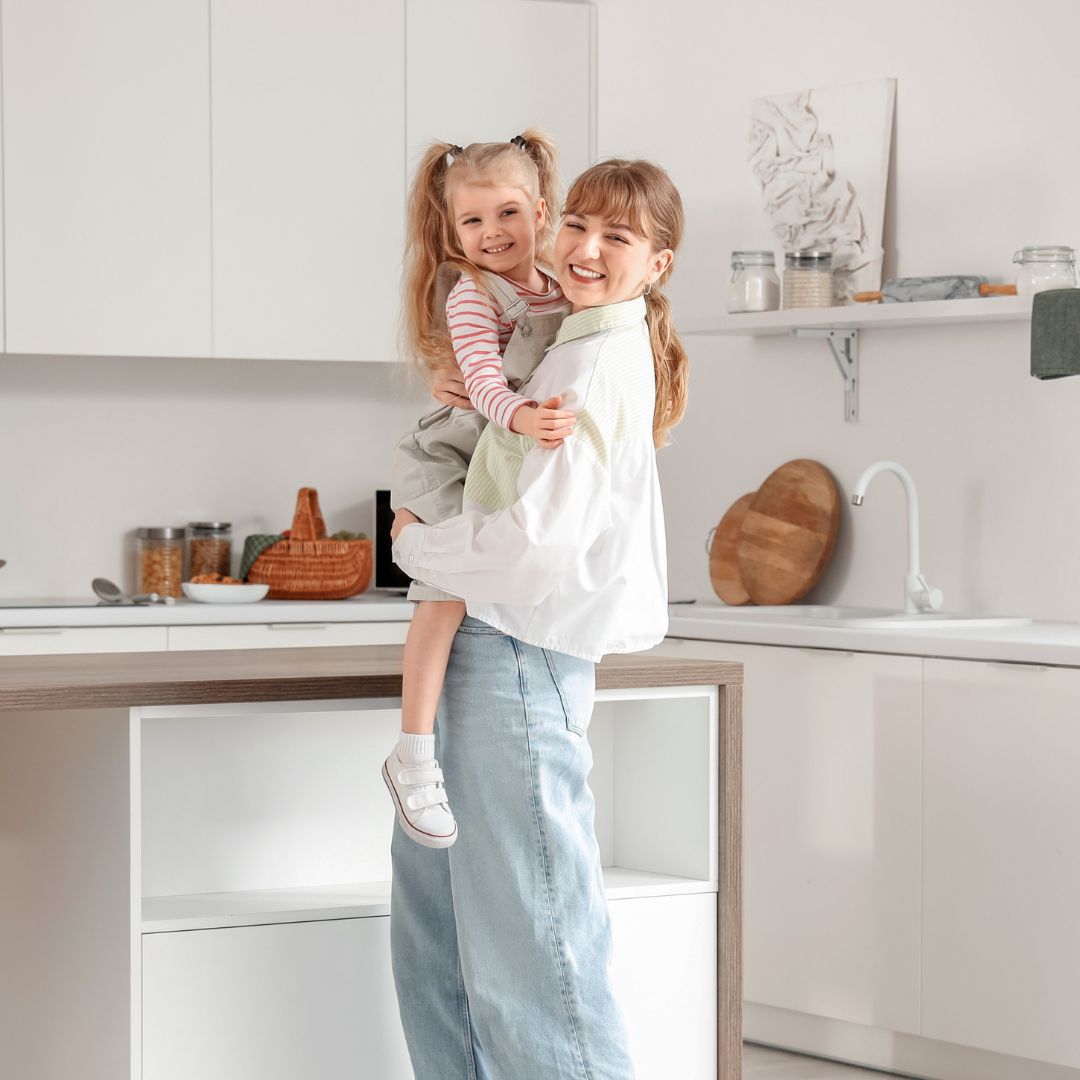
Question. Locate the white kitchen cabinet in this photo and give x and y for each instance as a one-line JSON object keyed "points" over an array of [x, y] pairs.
{"points": [[48, 640], [106, 115], [484, 70], [285, 635], [313, 1000], [832, 830], [308, 154], [1001, 944]]}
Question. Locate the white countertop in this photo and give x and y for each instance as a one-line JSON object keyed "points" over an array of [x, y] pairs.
{"points": [[369, 607], [1050, 643]]}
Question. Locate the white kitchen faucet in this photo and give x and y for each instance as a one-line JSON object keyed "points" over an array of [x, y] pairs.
{"points": [[918, 596]]}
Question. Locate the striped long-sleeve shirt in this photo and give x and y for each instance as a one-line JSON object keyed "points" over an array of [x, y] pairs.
{"points": [[480, 334]]}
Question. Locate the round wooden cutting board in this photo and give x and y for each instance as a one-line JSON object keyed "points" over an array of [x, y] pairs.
{"points": [[723, 562], [789, 533]]}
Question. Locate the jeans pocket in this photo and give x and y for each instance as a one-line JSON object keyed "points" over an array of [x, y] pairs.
{"points": [[575, 682]]}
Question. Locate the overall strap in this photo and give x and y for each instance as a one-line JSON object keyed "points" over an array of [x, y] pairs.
{"points": [[512, 306]]}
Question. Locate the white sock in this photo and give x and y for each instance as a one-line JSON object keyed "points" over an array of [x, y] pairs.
{"points": [[414, 748]]}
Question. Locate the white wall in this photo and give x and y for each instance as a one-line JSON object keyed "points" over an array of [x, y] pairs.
{"points": [[987, 159], [90, 449]]}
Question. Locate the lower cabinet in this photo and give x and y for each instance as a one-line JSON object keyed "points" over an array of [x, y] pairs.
{"points": [[1001, 934], [53, 640], [316, 999]]}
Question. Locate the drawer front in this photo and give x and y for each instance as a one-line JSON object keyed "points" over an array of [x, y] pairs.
{"points": [[286, 635], [45, 640]]}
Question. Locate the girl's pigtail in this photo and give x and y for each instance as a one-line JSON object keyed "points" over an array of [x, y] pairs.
{"points": [[671, 362], [539, 147], [426, 338]]}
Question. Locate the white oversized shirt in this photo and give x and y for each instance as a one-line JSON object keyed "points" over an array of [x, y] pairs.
{"points": [[565, 548]]}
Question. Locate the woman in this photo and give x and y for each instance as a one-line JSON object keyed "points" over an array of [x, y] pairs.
{"points": [[501, 943]]}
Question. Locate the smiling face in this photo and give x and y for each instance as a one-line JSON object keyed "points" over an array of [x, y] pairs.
{"points": [[496, 226], [599, 262]]}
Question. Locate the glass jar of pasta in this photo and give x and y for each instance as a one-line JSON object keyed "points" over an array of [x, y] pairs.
{"points": [[159, 560], [209, 548]]}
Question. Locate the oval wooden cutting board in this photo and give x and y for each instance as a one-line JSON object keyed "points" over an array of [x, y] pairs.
{"points": [[789, 532], [723, 560]]}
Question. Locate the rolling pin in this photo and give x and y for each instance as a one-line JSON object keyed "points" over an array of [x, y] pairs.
{"points": [[951, 287]]}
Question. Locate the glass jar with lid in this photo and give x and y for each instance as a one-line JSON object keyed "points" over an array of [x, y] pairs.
{"points": [[159, 560], [808, 279], [754, 284], [1049, 267], [209, 548]]}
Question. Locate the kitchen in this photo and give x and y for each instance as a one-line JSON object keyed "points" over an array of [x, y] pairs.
{"points": [[157, 366]]}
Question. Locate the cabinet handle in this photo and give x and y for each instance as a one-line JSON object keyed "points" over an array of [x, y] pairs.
{"points": [[825, 652], [297, 626], [1015, 665], [28, 630]]}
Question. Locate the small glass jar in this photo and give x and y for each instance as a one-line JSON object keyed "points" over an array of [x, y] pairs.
{"points": [[1045, 268], [159, 561], [209, 548], [754, 284], [808, 280]]}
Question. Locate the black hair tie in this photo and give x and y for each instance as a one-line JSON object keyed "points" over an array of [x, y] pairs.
{"points": [[521, 142], [456, 150]]}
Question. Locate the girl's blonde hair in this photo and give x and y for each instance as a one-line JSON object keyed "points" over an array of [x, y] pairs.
{"points": [[529, 160], [641, 195]]}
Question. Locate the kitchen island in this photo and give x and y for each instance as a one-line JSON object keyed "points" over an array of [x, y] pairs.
{"points": [[194, 850]]}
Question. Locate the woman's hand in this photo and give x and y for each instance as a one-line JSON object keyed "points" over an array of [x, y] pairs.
{"points": [[401, 519], [547, 423], [449, 388]]}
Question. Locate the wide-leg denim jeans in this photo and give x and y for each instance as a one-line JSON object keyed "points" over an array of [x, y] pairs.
{"points": [[501, 943]]}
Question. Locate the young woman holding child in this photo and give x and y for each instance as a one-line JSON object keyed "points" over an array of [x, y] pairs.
{"points": [[501, 943]]}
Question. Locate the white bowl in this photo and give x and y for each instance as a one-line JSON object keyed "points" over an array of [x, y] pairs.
{"points": [[224, 594]]}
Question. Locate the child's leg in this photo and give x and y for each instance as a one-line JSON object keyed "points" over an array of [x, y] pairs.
{"points": [[411, 772], [427, 651]]}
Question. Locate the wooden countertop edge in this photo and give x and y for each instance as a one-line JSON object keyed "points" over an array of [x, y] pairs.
{"points": [[114, 680]]}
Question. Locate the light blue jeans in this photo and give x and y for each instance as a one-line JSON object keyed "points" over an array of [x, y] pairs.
{"points": [[501, 943]]}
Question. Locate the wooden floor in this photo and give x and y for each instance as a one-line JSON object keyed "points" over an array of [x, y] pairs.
{"points": [[765, 1063]]}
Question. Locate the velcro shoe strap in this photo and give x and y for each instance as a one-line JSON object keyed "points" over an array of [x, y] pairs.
{"points": [[412, 777], [432, 797]]}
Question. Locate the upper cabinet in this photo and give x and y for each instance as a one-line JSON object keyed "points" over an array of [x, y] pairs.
{"points": [[483, 70], [106, 118], [308, 152]]}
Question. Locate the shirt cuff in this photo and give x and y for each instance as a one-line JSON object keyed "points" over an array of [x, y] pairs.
{"points": [[408, 546]]}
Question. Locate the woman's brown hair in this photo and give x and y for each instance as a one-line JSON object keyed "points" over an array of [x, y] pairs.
{"points": [[528, 161], [642, 195]]}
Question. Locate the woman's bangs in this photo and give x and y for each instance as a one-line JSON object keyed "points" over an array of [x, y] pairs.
{"points": [[611, 196]]}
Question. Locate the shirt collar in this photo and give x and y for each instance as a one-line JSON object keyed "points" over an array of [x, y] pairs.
{"points": [[607, 317]]}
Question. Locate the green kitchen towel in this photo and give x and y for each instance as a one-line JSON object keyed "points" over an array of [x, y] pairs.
{"points": [[1055, 333], [254, 546]]}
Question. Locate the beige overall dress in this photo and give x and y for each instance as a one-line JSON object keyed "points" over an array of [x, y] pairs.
{"points": [[429, 466]]}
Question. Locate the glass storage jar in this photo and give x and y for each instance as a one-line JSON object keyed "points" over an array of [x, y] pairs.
{"points": [[754, 284], [209, 548], [159, 560], [1052, 267], [808, 280]]}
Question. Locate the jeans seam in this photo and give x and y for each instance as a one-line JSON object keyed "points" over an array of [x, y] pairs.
{"points": [[466, 1026], [555, 678], [523, 683]]}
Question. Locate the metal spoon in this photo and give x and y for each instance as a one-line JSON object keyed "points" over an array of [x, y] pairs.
{"points": [[111, 593]]}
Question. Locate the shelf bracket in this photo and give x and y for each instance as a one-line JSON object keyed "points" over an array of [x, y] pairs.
{"points": [[844, 345]]}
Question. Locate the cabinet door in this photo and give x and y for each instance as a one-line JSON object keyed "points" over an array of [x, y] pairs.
{"points": [[831, 815], [308, 153], [483, 70], [285, 635], [107, 177], [1001, 948], [313, 1000], [46, 640]]}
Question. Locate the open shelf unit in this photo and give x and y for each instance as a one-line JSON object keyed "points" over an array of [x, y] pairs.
{"points": [[840, 326]]}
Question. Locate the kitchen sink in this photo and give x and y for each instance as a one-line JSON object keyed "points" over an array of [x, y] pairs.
{"points": [[861, 618]]}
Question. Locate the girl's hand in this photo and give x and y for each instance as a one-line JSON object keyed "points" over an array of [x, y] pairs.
{"points": [[449, 388], [401, 519], [547, 424]]}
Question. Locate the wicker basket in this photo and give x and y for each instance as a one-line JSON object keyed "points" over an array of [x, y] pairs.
{"points": [[309, 566]]}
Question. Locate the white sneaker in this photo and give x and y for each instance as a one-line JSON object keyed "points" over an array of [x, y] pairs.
{"points": [[422, 806]]}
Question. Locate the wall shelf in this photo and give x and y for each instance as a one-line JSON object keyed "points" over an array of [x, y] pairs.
{"points": [[862, 317], [840, 327]]}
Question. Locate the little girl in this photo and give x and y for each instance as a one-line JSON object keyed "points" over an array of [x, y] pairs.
{"points": [[476, 295]]}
